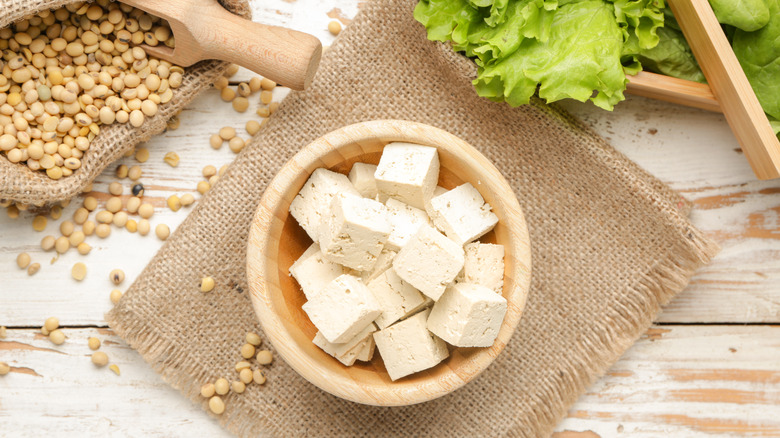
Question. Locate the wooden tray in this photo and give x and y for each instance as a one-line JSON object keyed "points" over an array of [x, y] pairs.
{"points": [[728, 91]]}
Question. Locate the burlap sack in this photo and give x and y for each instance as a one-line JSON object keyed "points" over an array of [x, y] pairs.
{"points": [[610, 246], [20, 184]]}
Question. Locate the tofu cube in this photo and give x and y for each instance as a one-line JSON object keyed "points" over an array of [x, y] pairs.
{"points": [[424, 305], [354, 232], [484, 266], [384, 261], [349, 351], [429, 262], [313, 271], [462, 214], [318, 192], [367, 353], [405, 221], [408, 347], [362, 177], [342, 309], [408, 173], [468, 315], [396, 298]]}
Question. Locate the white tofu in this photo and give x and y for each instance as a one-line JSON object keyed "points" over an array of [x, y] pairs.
{"points": [[439, 190], [408, 173], [408, 347], [468, 315], [484, 266], [384, 261], [349, 351], [316, 195], [354, 232], [462, 214], [362, 177], [349, 357], [424, 305], [367, 353], [396, 298], [313, 272], [429, 262], [405, 221], [342, 309]]}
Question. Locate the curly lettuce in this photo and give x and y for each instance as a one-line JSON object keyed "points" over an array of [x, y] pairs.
{"points": [[578, 49]]}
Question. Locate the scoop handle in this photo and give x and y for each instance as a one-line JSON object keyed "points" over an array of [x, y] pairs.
{"points": [[286, 56]]}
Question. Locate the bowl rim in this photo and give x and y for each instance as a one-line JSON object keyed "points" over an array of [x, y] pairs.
{"points": [[339, 384]]}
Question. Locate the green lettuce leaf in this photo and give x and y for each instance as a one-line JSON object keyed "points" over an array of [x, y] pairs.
{"points": [[759, 54], [443, 19], [580, 49], [580, 57], [748, 15], [524, 19], [672, 57]]}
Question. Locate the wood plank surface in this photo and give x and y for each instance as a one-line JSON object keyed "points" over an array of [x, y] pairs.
{"points": [[713, 381], [720, 378]]}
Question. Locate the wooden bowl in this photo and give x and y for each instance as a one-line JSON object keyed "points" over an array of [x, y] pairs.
{"points": [[276, 241]]}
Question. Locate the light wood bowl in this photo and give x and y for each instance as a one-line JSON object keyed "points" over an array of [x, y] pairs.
{"points": [[276, 241]]}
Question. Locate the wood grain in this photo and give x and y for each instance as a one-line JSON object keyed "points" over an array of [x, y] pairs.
{"points": [[277, 299], [694, 151], [669, 89], [639, 396], [703, 381]]}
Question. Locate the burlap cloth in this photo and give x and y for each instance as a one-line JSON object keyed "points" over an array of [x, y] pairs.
{"points": [[20, 184], [610, 245]]}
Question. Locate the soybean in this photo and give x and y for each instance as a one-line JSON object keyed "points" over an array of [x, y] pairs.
{"points": [[216, 405], [254, 339], [334, 27], [47, 243], [207, 284], [162, 231], [33, 269], [79, 271], [222, 386], [207, 390], [100, 359], [265, 357], [23, 260], [247, 351], [57, 337], [115, 296], [252, 127], [117, 276], [146, 211]]}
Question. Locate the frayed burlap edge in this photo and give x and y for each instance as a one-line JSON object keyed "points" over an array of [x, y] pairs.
{"points": [[652, 290], [661, 283], [20, 184], [601, 349], [598, 350]]}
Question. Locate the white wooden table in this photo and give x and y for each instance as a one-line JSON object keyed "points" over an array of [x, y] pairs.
{"points": [[709, 367]]}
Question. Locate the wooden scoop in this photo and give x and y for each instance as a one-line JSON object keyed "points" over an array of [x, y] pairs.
{"points": [[203, 29]]}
